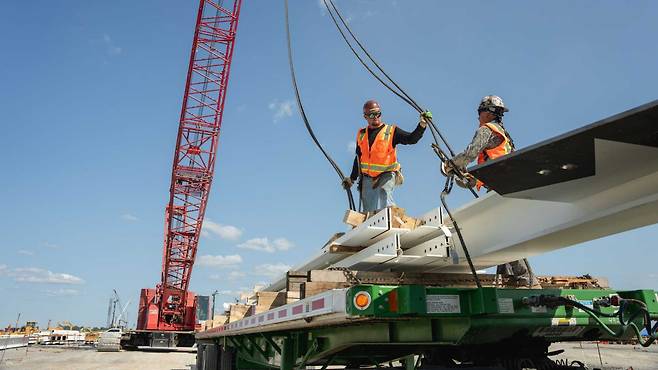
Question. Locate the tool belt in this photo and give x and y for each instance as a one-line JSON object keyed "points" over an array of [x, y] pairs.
{"points": [[399, 178]]}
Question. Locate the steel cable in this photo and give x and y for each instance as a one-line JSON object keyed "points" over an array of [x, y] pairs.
{"points": [[433, 129], [401, 93], [350, 198]]}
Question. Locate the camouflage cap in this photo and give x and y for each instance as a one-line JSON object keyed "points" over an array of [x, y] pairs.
{"points": [[492, 102]]}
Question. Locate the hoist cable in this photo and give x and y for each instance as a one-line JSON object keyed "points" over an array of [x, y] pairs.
{"points": [[401, 93], [409, 99], [350, 198]]}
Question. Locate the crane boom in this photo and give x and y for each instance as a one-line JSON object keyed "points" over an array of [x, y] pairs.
{"points": [[171, 306]]}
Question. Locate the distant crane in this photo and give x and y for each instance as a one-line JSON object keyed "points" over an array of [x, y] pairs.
{"points": [[115, 312]]}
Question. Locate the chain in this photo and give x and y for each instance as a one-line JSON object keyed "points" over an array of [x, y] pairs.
{"points": [[349, 275]]}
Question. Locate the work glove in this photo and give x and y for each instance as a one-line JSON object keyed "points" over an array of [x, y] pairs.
{"points": [[446, 169], [424, 118], [347, 183], [467, 182]]}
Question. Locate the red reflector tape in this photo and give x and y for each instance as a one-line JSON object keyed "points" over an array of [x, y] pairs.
{"points": [[393, 301]]}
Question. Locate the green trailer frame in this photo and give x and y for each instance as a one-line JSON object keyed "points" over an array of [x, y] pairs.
{"points": [[443, 326]]}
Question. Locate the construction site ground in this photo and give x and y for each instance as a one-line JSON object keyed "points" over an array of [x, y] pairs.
{"points": [[87, 358], [613, 356]]}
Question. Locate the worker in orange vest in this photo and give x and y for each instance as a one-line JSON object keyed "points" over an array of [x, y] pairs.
{"points": [[491, 141], [376, 157]]}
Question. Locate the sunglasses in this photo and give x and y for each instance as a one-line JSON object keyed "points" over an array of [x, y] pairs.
{"points": [[373, 115]]}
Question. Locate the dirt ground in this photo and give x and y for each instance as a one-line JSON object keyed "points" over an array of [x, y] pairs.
{"points": [[63, 358], [613, 356]]}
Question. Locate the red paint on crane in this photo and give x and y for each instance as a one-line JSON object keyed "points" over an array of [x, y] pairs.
{"points": [[193, 166]]}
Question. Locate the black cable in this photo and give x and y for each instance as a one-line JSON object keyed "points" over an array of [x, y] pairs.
{"points": [[406, 98], [411, 101], [446, 190], [356, 54], [350, 198]]}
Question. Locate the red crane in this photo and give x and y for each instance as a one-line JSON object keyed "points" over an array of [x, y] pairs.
{"points": [[171, 306]]}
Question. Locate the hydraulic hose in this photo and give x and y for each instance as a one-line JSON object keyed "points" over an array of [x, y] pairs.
{"points": [[350, 198], [625, 323]]}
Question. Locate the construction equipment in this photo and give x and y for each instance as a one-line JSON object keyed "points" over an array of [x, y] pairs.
{"points": [[167, 314], [394, 288], [116, 315]]}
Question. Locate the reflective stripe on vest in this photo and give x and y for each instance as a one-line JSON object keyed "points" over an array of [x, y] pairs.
{"points": [[381, 156], [502, 149]]}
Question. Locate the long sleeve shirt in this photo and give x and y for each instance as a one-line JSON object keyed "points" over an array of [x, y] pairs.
{"points": [[483, 139], [400, 136]]}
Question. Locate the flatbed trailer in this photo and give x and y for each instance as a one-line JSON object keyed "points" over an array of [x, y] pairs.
{"points": [[592, 182], [423, 327]]}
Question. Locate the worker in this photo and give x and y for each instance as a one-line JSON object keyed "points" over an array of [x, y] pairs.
{"points": [[376, 157], [491, 141]]}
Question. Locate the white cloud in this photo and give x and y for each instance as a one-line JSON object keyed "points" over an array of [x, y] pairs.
{"points": [[234, 275], [50, 245], [62, 292], [323, 8], [39, 275], [230, 261], [129, 217], [265, 245], [223, 231], [272, 270], [111, 48], [351, 147], [281, 109], [25, 252]]}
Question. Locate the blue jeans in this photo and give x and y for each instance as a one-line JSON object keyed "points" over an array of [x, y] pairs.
{"points": [[379, 197]]}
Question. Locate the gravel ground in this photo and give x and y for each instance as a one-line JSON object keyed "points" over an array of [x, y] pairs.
{"points": [[63, 358], [613, 356]]}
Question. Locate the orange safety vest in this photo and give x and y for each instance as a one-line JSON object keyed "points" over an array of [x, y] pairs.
{"points": [[504, 148], [381, 156]]}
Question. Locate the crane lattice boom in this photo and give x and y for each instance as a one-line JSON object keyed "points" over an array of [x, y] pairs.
{"points": [[193, 165]]}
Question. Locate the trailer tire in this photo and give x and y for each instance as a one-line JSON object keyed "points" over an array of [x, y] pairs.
{"points": [[207, 357], [226, 358]]}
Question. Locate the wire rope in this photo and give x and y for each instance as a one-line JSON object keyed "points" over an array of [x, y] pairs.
{"points": [[350, 198]]}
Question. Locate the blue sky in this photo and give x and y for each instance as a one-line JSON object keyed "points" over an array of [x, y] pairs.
{"points": [[91, 94]]}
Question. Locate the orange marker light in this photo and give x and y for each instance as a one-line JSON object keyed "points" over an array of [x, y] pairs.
{"points": [[362, 300]]}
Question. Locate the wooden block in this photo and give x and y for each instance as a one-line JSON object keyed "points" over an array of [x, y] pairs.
{"points": [[270, 299], [294, 279], [310, 288], [239, 311], [327, 276], [294, 287], [353, 218], [290, 274], [333, 238], [292, 297], [400, 220]]}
